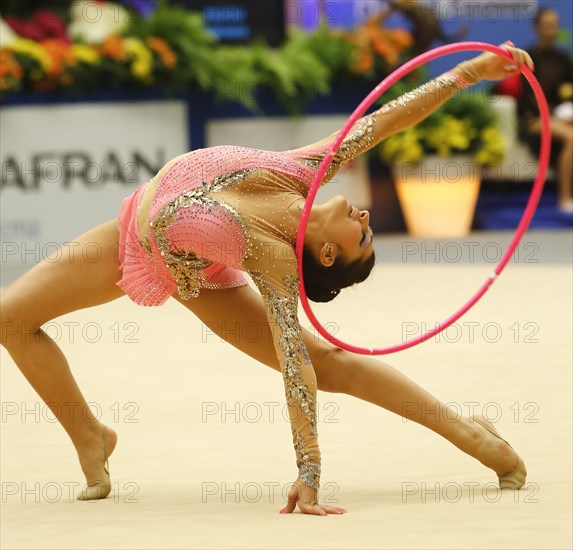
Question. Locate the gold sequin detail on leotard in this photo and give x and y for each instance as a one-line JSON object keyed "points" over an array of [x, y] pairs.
{"points": [[186, 268], [358, 139]]}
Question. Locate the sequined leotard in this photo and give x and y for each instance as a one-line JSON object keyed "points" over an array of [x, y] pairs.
{"points": [[229, 206]]}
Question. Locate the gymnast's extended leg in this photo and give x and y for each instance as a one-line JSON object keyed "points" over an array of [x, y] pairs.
{"points": [[56, 287], [65, 281], [339, 371]]}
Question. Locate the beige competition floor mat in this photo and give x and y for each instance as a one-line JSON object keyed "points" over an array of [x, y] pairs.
{"points": [[205, 456]]}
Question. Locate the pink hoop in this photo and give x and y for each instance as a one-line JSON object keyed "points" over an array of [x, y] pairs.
{"points": [[521, 228]]}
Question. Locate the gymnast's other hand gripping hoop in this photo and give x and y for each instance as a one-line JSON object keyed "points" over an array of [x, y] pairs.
{"points": [[521, 228]]}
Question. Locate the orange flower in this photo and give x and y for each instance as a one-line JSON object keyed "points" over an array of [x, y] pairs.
{"points": [[365, 62], [8, 65], [373, 40], [113, 47], [10, 70], [61, 55], [382, 46], [167, 55], [403, 39]]}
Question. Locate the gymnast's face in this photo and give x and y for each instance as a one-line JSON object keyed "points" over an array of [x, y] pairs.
{"points": [[342, 229]]}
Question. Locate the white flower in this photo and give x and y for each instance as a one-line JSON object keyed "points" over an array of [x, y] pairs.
{"points": [[7, 35], [93, 22]]}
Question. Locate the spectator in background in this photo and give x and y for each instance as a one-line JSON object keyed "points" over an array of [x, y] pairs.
{"points": [[554, 70]]}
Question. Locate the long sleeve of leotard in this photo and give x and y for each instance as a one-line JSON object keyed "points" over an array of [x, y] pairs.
{"points": [[393, 117], [276, 278]]}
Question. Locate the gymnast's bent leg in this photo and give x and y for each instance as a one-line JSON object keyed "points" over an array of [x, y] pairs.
{"points": [[339, 371], [63, 282]]}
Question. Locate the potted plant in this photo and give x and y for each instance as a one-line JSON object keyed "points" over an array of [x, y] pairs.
{"points": [[437, 164]]}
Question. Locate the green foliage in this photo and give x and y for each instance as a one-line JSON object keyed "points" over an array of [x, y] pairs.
{"points": [[176, 26], [293, 72], [306, 65], [327, 46], [194, 45]]}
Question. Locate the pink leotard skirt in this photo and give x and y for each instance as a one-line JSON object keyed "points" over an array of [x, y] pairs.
{"points": [[133, 262]]}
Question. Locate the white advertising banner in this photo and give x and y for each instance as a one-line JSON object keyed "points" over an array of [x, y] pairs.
{"points": [[281, 134], [66, 168]]}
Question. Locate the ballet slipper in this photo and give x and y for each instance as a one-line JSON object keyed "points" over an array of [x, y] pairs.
{"points": [[515, 479], [99, 489]]}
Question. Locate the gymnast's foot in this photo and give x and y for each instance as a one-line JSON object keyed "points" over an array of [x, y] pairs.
{"points": [[494, 452], [93, 455]]}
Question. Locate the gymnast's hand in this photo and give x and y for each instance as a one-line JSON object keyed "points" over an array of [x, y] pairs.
{"points": [[306, 498], [489, 66]]}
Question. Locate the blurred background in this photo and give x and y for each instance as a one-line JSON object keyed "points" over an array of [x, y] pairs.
{"points": [[96, 96]]}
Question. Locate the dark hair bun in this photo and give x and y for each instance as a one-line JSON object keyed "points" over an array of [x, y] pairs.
{"points": [[323, 283], [322, 294]]}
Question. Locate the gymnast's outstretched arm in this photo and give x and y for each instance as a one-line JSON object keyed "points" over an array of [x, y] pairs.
{"points": [[274, 272], [411, 108]]}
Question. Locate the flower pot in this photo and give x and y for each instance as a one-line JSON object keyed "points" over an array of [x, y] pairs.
{"points": [[438, 196]]}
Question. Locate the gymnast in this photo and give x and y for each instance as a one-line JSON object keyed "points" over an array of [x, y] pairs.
{"points": [[193, 230]]}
